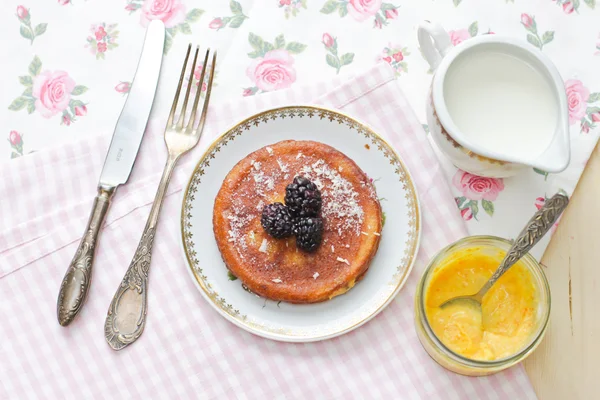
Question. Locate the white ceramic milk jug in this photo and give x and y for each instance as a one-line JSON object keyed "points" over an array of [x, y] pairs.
{"points": [[496, 105]]}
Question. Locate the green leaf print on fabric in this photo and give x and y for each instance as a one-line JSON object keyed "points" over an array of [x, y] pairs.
{"points": [[330, 6], [35, 66], [256, 42], [79, 89], [25, 80], [594, 97], [295, 47], [547, 37], [194, 15], [473, 29], [543, 173], [279, 42], [18, 104], [488, 206]]}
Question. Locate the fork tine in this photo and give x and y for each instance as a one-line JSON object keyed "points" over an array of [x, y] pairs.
{"points": [[174, 106], [190, 125], [187, 92], [198, 130]]}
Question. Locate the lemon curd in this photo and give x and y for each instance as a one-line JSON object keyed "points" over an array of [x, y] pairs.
{"points": [[507, 319]]}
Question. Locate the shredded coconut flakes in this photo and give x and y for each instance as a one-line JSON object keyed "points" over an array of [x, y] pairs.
{"points": [[263, 246], [340, 259]]}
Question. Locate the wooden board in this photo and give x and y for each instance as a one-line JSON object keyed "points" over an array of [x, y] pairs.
{"points": [[567, 363]]}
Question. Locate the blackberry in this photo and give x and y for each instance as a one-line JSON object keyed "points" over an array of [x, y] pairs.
{"points": [[309, 233], [303, 198], [277, 221]]}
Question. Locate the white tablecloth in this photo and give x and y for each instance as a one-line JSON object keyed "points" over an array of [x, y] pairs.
{"points": [[87, 51], [68, 64]]}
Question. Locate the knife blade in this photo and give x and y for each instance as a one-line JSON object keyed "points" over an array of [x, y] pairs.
{"points": [[120, 158]]}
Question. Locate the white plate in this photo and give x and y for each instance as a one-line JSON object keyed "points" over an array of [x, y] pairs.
{"points": [[306, 322]]}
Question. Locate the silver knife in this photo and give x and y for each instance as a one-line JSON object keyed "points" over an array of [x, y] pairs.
{"points": [[120, 158]]}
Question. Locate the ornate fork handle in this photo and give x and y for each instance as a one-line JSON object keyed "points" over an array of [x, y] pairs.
{"points": [[76, 282], [126, 317]]}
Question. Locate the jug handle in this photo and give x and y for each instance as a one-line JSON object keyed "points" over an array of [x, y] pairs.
{"points": [[434, 42]]}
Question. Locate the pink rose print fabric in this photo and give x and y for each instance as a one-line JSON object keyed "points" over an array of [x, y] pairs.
{"points": [[102, 38], [27, 30], [273, 64], [332, 58], [291, 8], [16, 144], [533, 37], [584, 107], [363, 10], [395, 55], [197, 76], [50, 93], [460, 35], [474, 189], [232, 21], [172, 12], [123, 87], [570, 6]]}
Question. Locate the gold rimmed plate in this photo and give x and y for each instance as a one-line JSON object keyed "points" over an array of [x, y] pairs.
{"points": [[303, 322]]}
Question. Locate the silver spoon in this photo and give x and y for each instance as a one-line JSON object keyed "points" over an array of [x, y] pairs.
{"points": [[536, 228]]}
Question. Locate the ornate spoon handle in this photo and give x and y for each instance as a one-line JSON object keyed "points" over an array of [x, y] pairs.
{"points": [[126, 317], [536, 228], [76, 282]]}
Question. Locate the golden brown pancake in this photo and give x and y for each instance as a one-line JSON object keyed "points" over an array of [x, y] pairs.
{"points": [[275, 268]]}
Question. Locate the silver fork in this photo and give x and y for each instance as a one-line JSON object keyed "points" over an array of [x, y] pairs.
{"points": [[127, 312]]}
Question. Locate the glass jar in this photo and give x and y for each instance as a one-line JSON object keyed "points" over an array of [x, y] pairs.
{"points": [[460, 364]]}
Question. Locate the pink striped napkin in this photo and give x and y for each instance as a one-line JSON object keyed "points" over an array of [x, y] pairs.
{"points": [[187, 349]]}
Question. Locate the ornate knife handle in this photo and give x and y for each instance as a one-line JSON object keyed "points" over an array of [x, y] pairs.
{"points": [[126, 316], [536, 228], [76, 283]]}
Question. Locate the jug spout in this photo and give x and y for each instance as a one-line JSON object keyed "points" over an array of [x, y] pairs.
{"points": [[557, 155]]}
